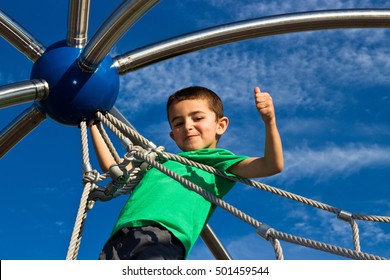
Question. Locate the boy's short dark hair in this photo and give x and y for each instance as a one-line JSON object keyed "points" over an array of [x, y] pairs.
{"points": [[198, 92]]}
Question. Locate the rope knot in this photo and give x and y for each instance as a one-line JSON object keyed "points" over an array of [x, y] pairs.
{"points": [[92, 176]]}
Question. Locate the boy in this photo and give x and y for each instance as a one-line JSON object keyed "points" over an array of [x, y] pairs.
{"points": [[162, 219]]}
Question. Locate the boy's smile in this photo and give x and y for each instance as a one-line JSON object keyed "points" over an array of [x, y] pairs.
{"points": [[194, 125]]}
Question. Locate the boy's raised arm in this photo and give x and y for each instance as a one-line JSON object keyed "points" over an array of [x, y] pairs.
{"points": [[103, 154], [272, 162]]}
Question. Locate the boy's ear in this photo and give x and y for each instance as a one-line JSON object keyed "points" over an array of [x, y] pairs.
{"points": [[222, 125], [171, 135]]}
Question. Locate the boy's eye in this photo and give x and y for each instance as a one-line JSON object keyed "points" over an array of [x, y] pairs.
{"points": [[198, 118], [178, 124]]}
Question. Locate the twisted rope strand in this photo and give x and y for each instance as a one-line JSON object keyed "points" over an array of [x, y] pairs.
{"points": [[323, 246], [75, 240], [133, 135], [272, 235], [355, 235], [108, 142], [277, 191]]}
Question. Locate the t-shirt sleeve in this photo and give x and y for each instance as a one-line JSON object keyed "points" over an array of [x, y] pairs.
{"points": [[220, 159]]}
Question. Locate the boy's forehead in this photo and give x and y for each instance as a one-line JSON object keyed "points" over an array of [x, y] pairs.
{"points": [[188, 106]]}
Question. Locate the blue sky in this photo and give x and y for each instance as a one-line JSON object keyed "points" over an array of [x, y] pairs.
{"points": [[331, 91]]}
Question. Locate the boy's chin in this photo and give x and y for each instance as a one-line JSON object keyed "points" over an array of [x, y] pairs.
{"points": [[193, 148]]}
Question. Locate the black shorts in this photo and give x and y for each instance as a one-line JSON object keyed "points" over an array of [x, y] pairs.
{"points": [[143, 243]]}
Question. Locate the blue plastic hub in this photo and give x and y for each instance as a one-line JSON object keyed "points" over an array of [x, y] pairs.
{"points": [[74, 95]]}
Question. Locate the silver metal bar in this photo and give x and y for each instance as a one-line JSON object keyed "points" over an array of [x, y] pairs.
{"points": [[249, 29], [215, 246], [116, 113], [19, 128], [20, 38], [125, 15], [78, 18], [23, 92]]}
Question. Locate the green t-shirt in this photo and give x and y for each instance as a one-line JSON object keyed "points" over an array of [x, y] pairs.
{"points": [[161, 199]]}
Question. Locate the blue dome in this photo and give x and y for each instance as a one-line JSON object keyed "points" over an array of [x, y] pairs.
{"points": [[74, 95]]}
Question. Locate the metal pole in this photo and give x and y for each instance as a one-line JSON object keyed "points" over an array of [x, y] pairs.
{"points": [[19, 128], [78, 18], [23, 92], [20, 38], [215, 246], [115, 112], [249, 29], [111, 31]]}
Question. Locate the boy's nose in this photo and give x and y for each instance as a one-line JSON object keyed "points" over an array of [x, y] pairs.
{"points": [[188, 125]]}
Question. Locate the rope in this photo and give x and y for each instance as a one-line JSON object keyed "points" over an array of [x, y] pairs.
{"points": [[118, 126], [270, 233], [355, 234], [355, 231], [137, 155], [75, 241], [208, 196], [108, 142], [323, 246], [274, 190]]}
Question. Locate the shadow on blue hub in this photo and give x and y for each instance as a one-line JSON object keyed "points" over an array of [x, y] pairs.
{"points": [[74, 95]]}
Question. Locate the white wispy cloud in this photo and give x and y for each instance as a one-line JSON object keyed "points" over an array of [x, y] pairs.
{"points": [[373, 234], [304, 162], [250, 247], [248, 9], [298, 74]]}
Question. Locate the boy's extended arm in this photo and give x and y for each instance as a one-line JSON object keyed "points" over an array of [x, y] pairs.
{"points": [[103, 154], [272, 162]]}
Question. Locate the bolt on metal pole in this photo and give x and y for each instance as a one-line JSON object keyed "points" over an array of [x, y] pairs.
{"points": [[116, 25], [78, 18], [22, 125], [23, 92], [20, 38]]}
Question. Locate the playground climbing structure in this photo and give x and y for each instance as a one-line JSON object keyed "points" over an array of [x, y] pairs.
{"points": [[68, 75]]}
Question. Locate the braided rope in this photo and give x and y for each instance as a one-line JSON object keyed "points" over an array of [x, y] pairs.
{"points": [[256, 184], [111, 121], [75, 240], [355, 234], [271, 235], [277, 248], [111, 126], [213, 199], [277, 191], [323, 246], [371, 218], [108, 142], [84, 146]]}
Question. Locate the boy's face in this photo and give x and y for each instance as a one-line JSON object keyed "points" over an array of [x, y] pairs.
{"points": [[194, 125]]}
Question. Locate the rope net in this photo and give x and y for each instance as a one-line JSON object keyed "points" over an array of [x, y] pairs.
{"points": [[143, 155]]}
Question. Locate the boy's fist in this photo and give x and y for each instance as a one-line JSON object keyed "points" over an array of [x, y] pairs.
{"points": [[264, 105]]}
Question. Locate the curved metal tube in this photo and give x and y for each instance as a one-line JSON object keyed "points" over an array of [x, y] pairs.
{"points": [[20, 38], [19, 128], [214, 244], [78, 18], [23, 92], [111, 31], [248, 29]]}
